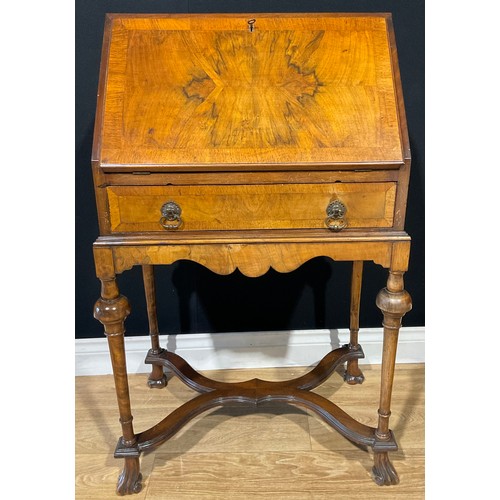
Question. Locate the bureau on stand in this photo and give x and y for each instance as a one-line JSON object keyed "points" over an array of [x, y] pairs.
{"points": [[250, 142]]}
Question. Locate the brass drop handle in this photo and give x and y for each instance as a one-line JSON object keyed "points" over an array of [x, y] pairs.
{"points": [[171, 213], [335, 212]]}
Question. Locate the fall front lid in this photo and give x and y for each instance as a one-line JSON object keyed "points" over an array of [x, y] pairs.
{"points": [[215, 92]]}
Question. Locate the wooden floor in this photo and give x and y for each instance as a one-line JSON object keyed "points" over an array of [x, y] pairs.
{"points": [[278, 451]]}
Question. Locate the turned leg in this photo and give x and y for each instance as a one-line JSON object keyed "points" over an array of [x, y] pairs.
{"points": [[157, 377], [394, 302], [111, 310], [353, 375]]}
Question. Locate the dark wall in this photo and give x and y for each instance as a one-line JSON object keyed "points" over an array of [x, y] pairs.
{"points": [[193, 299]]}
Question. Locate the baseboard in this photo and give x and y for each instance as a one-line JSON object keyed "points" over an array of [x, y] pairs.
{"points": [[248, 349]]}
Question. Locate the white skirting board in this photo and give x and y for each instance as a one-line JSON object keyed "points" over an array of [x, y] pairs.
{"points": [[213, 351]]}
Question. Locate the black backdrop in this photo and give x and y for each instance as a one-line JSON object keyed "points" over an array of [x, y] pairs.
{"points": [[193, 299]]}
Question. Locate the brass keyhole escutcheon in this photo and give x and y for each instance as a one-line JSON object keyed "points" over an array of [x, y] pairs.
{"points": [[335, 219], [171, 215]]}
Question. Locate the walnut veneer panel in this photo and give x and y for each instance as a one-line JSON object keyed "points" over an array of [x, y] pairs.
{"points": [[289, 206], [203, 92]]}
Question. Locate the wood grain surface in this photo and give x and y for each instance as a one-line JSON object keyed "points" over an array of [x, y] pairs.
{"points": [[278, 451], [288, 206], [206, 91]]}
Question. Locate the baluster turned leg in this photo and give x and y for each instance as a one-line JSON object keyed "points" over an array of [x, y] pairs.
{"points": [[111, 310], [157, 377], [394, 302], [353, 375]]}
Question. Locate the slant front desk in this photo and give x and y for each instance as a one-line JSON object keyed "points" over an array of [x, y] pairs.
{"points": [[250, 141]]}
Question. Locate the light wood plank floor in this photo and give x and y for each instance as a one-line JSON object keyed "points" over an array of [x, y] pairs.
{"points": [[278, 451]]}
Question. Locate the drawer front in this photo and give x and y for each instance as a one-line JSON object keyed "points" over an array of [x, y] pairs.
{"points": [[247, 207]]}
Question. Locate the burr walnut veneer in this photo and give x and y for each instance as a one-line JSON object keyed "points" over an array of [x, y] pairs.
{"points": [[250, 141]]}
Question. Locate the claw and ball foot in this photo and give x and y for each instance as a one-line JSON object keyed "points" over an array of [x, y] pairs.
{"points": [[157, 378], [384, 473], [130, 478], [157, 383], [353, 375]]}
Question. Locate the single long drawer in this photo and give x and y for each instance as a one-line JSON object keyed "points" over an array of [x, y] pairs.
{"points": [[247, 207]]}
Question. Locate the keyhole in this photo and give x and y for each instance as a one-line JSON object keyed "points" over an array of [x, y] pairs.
{"points": [[251, 22]]}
